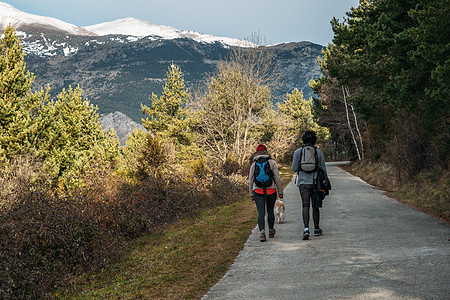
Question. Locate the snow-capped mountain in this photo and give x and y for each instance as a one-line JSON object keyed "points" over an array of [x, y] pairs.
{"points": [[22, 21], [139, 28], [134, 27], [128, 26], [120, 64]]}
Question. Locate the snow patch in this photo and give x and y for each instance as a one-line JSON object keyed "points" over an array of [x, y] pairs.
{"points": [[92, 42], [69, 50], [130, 29], [133, 38], [117, 39], [138, 28], [17, 18]]}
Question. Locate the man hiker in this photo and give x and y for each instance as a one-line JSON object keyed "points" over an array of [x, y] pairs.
{"points": [[306, 162]]}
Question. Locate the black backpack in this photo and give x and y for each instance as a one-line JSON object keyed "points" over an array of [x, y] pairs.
{"points": [[308, 159], [263, 175]]}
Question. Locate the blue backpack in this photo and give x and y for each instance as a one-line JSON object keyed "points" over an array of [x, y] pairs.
{"points": [[263, 175]]}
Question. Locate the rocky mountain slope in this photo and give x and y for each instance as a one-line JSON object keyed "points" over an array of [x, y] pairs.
{"points": [[121, 123], [118, 72]]}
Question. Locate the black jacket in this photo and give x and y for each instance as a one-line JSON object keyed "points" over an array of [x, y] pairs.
{"points": [[322, 186]]}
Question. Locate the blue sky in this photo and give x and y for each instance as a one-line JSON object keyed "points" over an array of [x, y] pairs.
{"points": [[275, 20]]}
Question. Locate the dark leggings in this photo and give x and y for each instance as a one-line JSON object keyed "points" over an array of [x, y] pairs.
{"points": [[306, 193], [261, 202]]}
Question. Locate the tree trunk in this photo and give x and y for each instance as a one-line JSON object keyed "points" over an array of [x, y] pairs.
{"points": [[356, 125], [349, 125]]}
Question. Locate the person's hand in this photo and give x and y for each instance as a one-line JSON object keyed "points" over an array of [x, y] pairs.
{"points": [[280, 196], [253, 198]]}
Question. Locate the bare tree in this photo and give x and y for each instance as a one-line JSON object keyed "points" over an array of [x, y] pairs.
{"points": [[349, 125], [230, 111], [335, 110], [356, 124]]}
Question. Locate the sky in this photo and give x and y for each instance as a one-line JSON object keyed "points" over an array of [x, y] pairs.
{"points": [[275, 21]]}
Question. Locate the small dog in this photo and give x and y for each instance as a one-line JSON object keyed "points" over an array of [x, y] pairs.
{"points": [[279, 210]]}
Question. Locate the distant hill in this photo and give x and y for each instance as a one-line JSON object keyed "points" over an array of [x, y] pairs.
{"points": [[118, 75], [118, 72], [121, 123]]}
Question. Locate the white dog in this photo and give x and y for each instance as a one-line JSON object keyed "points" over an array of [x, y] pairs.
{"points": [[279, 210]]}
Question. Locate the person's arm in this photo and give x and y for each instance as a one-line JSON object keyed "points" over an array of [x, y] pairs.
{"points": [[296, 161], [322, 161], [277, 178], [251, 179]]}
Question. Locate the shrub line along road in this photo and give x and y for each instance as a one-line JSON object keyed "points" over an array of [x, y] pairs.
{"points": [[373, 247]]}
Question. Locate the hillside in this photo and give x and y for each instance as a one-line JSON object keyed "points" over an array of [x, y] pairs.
{"points": [[120, 64], [118, 72]]}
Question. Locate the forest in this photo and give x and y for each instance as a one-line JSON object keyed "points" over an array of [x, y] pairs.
{"points": [[385, 87]]}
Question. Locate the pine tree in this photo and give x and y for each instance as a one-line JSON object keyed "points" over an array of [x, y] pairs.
{"points": [[393, 55], [298, 109], [73, 130], [64, 133], [168, 116], [15, 106], [285, 127]]}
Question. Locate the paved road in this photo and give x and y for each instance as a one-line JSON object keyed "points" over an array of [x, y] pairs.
{"points": [[373, 247]]}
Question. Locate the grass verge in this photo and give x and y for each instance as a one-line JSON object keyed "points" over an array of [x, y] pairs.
{"points": [[181, 261]]}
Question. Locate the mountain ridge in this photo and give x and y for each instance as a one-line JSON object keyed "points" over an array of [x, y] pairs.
{"points": [[139, 28], [22, 20], [125, 26], [121, 123], [120, 72]]}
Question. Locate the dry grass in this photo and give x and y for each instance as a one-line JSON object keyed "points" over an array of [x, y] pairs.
{"points": [[286, 174], [377, 174], [428, 192], [181, 261]]}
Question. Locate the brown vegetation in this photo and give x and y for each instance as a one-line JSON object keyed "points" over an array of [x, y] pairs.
{"points": [[48, 236], [179, 261]]}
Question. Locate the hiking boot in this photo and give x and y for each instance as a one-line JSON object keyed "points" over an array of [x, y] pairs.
{"points": [[272, 232], [262, 237], [305, 235], [318, 231]]}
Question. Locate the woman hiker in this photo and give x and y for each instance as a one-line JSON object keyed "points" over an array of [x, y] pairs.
{"points": [[264, 181], [306, 176]]}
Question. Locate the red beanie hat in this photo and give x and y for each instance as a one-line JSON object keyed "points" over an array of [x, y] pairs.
{"points": [[261, 147]]}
